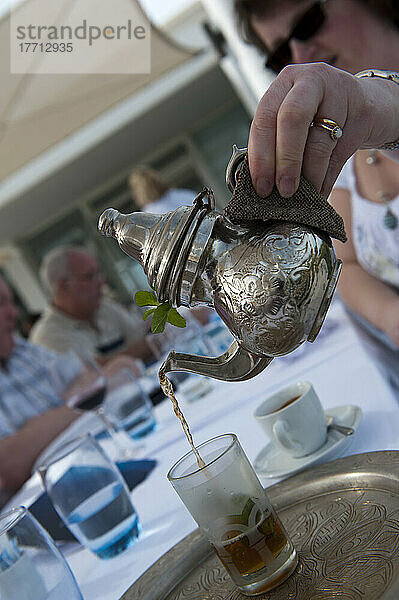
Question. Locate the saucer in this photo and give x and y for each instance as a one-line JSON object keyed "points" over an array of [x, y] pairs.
{"points": [[272, 462]]}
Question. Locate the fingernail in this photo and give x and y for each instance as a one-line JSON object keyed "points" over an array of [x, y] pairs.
{"points": [[286, 186], [263, 186]]}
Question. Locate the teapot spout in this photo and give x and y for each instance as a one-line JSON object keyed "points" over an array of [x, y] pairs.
{"points": [[133, 231], [236, 364]]}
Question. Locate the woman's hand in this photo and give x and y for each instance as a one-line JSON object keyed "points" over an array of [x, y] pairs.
{"points": [[282, 144]]}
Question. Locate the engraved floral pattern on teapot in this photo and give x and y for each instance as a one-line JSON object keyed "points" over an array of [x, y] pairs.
{"points": [[264, 287]]}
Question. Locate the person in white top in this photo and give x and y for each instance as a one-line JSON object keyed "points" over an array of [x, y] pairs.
{"points": [[151, 193], [315, 116], [78, 317]]}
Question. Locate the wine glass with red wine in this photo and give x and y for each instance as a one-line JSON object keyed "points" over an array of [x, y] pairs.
{"points": [[88, 390], [83, 386]]}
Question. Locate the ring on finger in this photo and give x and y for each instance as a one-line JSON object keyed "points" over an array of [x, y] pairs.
{"points": [[331, 126]]}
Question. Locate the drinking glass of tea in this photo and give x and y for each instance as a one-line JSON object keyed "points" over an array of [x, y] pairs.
{"points": [[223, 494]]}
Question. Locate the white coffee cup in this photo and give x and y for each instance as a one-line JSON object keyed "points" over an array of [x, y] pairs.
{"points": [[293, 418]]}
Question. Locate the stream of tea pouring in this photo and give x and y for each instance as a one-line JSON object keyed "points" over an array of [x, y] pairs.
{"points": [[167, 388]]}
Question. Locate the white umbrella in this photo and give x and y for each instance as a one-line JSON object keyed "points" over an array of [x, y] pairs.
{"points": [[39, 110]]}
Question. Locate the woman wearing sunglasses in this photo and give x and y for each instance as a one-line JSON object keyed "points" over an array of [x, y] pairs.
{"points": [[314, 117]]}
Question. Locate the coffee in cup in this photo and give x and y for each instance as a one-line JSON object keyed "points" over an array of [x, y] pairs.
{"points": [[293, 418]]}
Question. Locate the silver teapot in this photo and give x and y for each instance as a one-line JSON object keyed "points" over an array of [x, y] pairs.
{"points": [[271, 283]]}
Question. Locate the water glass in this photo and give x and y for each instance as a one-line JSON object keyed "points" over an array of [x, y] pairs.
{"points": [[128, 406], [91, 496], [78, 379], [31, 566], [228, 502]]}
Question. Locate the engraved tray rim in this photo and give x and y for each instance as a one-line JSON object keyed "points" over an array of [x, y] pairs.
{"points": [[159, 580]]}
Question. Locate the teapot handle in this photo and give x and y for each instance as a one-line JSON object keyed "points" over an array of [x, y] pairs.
{"points": [[236, 364], [233, 166]]}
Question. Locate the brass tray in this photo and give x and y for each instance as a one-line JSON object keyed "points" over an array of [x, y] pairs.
{"points": [[343, 518]]}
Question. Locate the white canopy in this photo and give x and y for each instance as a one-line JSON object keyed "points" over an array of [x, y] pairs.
{"points": [[39, 110]]}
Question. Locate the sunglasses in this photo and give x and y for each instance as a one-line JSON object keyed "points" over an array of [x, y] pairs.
{"points": [[307, 26]]}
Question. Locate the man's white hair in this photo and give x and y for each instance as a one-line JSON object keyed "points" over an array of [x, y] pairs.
{"points": [[55, 266]]}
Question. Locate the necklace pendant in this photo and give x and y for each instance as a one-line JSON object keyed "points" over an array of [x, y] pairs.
{"points": [[390, 220], [371, 157]]}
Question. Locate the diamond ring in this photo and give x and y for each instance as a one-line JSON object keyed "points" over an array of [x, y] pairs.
{"points": [[332, 127]]}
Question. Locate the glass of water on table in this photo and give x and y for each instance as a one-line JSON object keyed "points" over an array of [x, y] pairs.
{"points": [[31, 566], [91, 496], [128, 406]]}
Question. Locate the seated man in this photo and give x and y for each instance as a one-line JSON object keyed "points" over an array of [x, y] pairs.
{"points": [[31, 412], [78, 316]]}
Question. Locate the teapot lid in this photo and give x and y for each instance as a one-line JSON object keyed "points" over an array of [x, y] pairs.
{"points": [[177, 245], [193, 264], [188, 262]]}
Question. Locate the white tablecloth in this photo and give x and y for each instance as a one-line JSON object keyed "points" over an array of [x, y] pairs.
{"points": [[341, 372]]}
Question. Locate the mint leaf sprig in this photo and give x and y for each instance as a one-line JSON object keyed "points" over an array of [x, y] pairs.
{"points": [[161, 312]]}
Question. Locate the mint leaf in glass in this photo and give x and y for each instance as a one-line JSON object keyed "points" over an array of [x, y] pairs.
{"points": [[159, 317], [148, 313], [175, 318], [145, 299], [160, 312]]}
